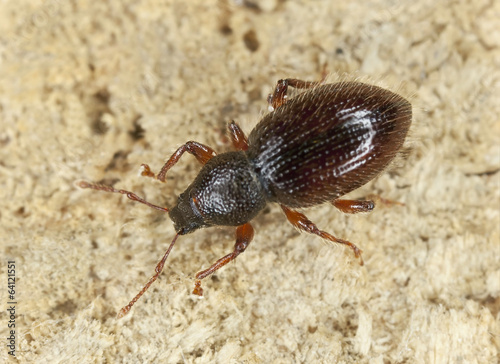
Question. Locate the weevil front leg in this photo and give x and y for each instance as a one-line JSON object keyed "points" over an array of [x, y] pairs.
{"points": [[301, 222], [244, 235], [201, 152]]}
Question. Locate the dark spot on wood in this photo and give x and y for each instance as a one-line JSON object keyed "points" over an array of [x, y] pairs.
{"points": [[225, 29], [97, 106], [251, 41], [137, 132], [118, 161]]}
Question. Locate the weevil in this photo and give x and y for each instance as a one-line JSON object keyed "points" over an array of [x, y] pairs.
{"points": [[310, 149]]}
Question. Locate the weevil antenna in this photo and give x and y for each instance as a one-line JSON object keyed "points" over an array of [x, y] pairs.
{"points": [[158, 269], [130, 195]]}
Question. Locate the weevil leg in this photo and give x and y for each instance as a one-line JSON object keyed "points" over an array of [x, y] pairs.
{"points": [[278, 97], [384, 201], [301, 222], [354, 206], [244, 235], [239, 139], [201, 152], [130, 195]]}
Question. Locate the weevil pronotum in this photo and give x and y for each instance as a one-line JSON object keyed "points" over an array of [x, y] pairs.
{"points": [[310, 149]]}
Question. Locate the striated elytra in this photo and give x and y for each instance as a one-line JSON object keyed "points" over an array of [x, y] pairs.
{"points": [[313, 148]]}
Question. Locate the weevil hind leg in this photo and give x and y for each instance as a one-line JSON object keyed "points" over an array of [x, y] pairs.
{"points": [[354, 206], [377, 199], [301, 222], [200, 151], [244, 235], [279, 96]]}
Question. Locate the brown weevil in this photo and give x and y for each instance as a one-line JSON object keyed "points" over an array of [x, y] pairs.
{"points": [[310, 149]]}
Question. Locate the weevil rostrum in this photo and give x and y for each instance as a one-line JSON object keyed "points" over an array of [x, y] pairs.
{"points": [[310, 149]]}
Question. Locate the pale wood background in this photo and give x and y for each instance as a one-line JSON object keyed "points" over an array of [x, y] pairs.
{"points": [[90, 90]]}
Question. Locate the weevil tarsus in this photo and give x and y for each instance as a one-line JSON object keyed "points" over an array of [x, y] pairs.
{"points": [[244, 235], [200, 151], [280, 94]]}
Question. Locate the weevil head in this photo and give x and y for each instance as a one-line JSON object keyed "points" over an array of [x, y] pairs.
{"points": [[185, 215], [226, 192]]}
